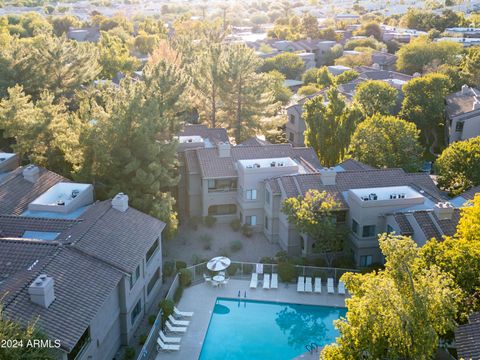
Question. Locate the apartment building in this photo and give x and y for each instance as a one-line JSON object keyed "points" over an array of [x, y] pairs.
{"points": [[463, 114], [295, 125], [87, 269], [372, 201], [228, 181]]}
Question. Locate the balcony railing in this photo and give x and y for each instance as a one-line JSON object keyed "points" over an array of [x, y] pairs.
{"points": [[222, 190]]}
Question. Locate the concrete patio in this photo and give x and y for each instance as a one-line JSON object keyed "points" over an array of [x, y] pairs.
{"points": [[201, 300]]}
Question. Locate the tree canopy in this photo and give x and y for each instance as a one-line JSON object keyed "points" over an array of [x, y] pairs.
{"points": [[329, 126], [387, 141], [289, 64], [458, 166], [396, 313], [375, 96]]}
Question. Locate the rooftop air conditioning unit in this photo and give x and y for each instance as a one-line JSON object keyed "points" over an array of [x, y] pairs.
{"points": [[256, 165], [281, 164], [272, 164], [372, 196], [249, 166]]}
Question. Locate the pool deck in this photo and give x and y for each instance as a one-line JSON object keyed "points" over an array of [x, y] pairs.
{"points": [[201, 299]]}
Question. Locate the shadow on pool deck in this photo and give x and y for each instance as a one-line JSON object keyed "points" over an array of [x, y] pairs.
{"points": [[201, 299]]}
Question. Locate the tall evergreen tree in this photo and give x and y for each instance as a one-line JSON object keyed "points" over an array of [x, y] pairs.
{"points": [[329, 125]]}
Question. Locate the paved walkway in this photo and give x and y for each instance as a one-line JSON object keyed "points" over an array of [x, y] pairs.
{"points": [[188, 244], [201, 300]]}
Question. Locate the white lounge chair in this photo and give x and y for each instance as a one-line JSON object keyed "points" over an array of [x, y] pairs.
{"points": [[168, 347], [308, 284], [182, 313], [274, 281], [178, 322], [318, 285], [254, 281], [341, 288], [175, 329], [266, 281], [169, 339], [330, 287], [301, 284]]}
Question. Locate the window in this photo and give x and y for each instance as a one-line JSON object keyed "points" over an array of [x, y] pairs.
{"points": [[354, 226], [292, 118], [459, 126], [153, 281], [134, 277], [368, 231], [80, 345], [211, 183], [266, 222], [251, 220], [366, 260], [291, 137], [389, 229], [152, 250], [267, 196], [136, 311], [252, 194]]}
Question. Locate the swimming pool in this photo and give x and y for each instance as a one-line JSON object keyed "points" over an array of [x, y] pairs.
{"points": [[248, 329]]}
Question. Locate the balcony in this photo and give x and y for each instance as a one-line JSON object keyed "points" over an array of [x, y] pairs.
{"points": [[222, 185]]}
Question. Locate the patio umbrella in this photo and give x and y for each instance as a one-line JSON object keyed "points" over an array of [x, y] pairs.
{"points": [[218, 263]]}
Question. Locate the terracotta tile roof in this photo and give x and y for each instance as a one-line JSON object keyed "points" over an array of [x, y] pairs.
{"points": [[354, 165], [214, 166], [470, 194], [404, 224], [121, 239], [448, 226], [427, 225], [215, 135], [15, 226], [16, 192], [467, 338], [82, 285]]}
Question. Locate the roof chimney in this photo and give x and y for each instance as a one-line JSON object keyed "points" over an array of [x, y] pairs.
{"points": [[42, 291], [328, 175], [443, 210], [31, 173], [224, 149], [120, 202], [465, 89]]}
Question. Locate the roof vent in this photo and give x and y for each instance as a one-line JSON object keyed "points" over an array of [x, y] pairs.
{"points": [[444, 210], [224, 149], [120, 202], [31, 173], [328, 176], [41, 291]]}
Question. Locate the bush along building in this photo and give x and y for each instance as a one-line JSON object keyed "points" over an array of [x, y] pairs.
{"points": [[87, 269]]}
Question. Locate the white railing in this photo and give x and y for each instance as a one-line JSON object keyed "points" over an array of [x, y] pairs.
{"points": [[236, 270]]}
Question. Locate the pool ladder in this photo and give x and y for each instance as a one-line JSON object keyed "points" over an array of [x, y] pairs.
{"points": [[312, 347]]}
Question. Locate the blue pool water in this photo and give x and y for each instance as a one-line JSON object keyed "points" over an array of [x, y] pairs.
{"points": [[247, 329]]}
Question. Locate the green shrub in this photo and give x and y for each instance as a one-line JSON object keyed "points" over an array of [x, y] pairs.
{"points": [[373, 267], [194, 222], [178, 294], [236, 246], [286, 272], [223, 252], [344, 262], [235, 224], [247, 269], [185, 277], [167, 308], [247, 230], [180, 265], [232, 269], [151, 319], [129, 353], [196, 259], [268, 260], [210, 221], [206, 240], [281, 256], [168, 267], [142, 339]]}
